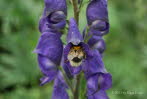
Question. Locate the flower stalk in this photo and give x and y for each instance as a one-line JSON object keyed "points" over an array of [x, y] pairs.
{"points": [[76, 91], [76, 16], [76, 10], [81, 54]]}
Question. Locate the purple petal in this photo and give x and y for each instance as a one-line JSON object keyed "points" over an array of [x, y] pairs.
{"points": [[55, 5], [50, 46], [106, 82], [86, 49], [99, 95], [57, 16], [73, 70], [53, 22], [92, 85], [97, 82], [99, 28], [67, 71], [97, 17], [94, 64], [99, 25], [74, 35], [43, 25], [97, 10], [54, 15], [59, 91], [96, 42], [48, 68], [59, 26], [57, 20]]}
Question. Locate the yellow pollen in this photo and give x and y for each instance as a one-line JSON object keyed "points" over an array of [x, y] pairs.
{"points": [[77, 47]]}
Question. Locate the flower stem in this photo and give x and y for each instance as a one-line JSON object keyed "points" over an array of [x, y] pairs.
{"points": [[76, 10], [76, 16], [76, 91]]}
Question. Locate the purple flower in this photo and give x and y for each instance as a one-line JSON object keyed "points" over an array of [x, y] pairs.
{"points": [[49, 50], [54, 16], [76, 50], [79, 56], [50, 47], [97, 17], [98, 79]]}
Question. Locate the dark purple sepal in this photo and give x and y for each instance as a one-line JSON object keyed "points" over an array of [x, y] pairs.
{"points": [[98, 82], [50, 45], [55, 5], [97, 10], [97, 17], [74, 35]]}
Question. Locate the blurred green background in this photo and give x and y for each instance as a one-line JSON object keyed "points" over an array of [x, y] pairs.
{"points": [[125, 57]]}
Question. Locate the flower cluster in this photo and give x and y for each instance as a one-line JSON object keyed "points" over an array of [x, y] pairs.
{"points": [[76, 56]]}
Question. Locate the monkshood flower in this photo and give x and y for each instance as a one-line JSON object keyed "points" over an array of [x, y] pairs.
{"points": [[50, 47], [76, 50], [79, 56], [54, 16], [98, 79], [49, 50], [97, 17]]}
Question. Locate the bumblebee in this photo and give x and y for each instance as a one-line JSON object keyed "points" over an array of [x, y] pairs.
{"points": [[75, 56]]}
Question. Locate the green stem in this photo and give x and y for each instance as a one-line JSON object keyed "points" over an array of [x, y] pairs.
{"points": [[77, 88], [76, 10], [76, 16]]}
